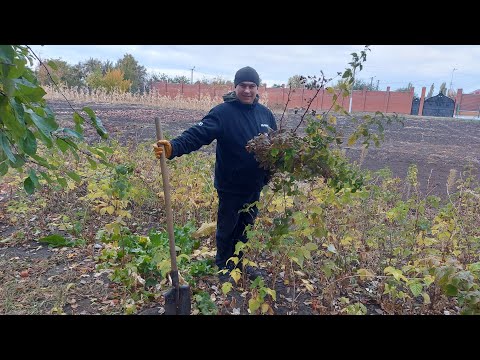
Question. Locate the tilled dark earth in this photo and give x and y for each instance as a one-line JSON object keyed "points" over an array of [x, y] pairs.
{"points": [[435, 145]]}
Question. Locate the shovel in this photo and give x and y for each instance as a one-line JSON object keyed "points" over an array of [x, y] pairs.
{"points": [[178, 298]]}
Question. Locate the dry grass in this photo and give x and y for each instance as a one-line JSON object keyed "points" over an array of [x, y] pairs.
{"points": [[153, 98]]}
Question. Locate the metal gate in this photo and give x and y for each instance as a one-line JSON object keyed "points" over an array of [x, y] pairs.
{"points": [[439, 105], [415, 106]]}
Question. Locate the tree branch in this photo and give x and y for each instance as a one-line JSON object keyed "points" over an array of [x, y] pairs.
{"points": [[51, 78]]}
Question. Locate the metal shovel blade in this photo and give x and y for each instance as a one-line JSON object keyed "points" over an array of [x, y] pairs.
{"points": [[183, 307]]}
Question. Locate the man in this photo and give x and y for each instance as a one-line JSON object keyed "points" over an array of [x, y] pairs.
{"points": [[238, 177]]}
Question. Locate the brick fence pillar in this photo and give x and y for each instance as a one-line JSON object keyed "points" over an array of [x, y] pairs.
{"points": [[422, 100], [387, 99], [412, 94], [364, 93], [458, 101], [323, 94]]}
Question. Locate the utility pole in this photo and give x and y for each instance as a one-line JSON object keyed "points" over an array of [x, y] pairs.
{"points": [[191, 78], [371, 81], [451, 80], [378, 82]]}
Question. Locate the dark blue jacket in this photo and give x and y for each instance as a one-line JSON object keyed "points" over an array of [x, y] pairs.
{"points": [[233, 124]]}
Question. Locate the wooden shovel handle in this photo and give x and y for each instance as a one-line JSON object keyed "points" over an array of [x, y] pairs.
{"points": [[168, 206]]}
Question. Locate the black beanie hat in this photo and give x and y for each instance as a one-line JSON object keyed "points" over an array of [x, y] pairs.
{"points": [[246, 73]]}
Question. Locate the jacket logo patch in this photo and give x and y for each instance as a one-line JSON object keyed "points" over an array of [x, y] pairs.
{"points": [[266, 126], [200, 123]]}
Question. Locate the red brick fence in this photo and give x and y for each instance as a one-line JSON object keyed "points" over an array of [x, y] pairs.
{"points": [[362, 100]]}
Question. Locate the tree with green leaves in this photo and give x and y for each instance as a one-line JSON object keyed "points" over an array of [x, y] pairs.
{"points": [[218, 80], [133, 72], [92, 65], [359, 84], [28, 128], [82, 74], [94, 80], [296, 81], [62, 73], [107, 66], [405, 89], [153, 78], [179, 79], [75, 77]]}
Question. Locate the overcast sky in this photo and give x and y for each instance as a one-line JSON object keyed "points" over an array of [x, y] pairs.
{"points": [[389, 65]]}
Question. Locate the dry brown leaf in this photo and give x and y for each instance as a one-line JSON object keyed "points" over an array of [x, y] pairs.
{"points": [[300, 273], [206, 229]]}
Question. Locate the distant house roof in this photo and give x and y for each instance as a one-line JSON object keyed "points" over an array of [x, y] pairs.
{"points": [[476, 92]]}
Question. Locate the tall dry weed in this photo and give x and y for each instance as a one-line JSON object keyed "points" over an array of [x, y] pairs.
{"points": [[153, 98]]}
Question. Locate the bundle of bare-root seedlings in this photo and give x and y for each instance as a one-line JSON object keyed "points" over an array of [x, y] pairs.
{"points": [[305, 158]]}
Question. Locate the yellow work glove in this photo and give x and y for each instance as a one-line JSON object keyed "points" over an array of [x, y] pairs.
{"points": [[158, 148]]}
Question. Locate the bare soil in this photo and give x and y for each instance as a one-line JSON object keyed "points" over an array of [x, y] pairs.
{"points": [[436, 145]]}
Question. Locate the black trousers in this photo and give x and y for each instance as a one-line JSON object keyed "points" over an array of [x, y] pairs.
{"points": [[231, 223]]}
